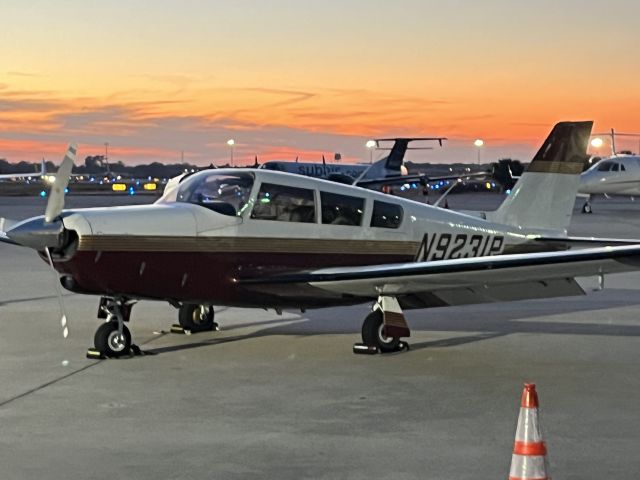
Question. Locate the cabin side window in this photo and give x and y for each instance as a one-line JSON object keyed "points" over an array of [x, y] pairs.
{"points": [[341, 209], [605, 166], [284, 204], [386, 215]]}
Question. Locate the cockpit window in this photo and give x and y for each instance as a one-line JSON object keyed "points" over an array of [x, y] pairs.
{"points": [[225, 193], [616, 167]]}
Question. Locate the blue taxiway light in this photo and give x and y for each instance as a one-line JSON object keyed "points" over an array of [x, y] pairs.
{"points": [[43, 194]]}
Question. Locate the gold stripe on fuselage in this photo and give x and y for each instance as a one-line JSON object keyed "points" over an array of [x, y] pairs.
{"points": [[138, 243]]}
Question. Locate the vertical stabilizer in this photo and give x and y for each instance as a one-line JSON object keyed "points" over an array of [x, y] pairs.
{"points": [[544, 196]]}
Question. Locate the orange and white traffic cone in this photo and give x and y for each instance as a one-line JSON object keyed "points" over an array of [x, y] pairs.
{"points": [[529, 459]]}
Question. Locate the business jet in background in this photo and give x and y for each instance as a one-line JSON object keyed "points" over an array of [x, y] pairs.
{"points": [[618, 174]]}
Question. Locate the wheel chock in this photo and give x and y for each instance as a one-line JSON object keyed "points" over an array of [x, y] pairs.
{"points": [[362, 349], [177, 328], [93, 354]]}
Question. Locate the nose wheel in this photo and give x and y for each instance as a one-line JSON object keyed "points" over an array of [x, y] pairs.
{"points": [[113, 339], [586, 208], [110, 342]]}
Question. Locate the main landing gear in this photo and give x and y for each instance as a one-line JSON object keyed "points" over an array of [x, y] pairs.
{"points": [[113, 339], [194, 318], [383, 328], [586, 208]]}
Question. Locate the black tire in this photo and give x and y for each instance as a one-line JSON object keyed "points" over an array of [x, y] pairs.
{"points": [[586, 208], [106, 340], [191, 317], [373, 333]]}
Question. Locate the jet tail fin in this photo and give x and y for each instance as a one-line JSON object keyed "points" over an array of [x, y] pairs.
{"points": [[545, 195]]}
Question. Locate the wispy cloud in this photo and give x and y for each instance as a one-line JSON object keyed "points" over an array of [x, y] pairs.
{"points": [[24, 74], [270, 122]]}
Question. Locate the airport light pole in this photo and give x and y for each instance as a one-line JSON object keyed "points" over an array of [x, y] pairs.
{"points": [[231, 142], [106, 155], [371, 144], [479, 143]]}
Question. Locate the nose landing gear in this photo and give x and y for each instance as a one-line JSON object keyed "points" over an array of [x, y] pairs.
{"points": [[113, 339]]}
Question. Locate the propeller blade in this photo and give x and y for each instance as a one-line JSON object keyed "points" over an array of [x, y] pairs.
{"points": [[56, 197]]}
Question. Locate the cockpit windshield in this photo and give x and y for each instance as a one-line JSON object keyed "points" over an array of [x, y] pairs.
{"points": [[225, 193]]}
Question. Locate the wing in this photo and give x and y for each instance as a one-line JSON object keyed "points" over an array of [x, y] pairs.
{"points": [[6, 224], [533, 275], [6, 176]]}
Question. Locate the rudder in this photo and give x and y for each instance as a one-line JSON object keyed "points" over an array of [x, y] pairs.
{"points": [[545, 195]]}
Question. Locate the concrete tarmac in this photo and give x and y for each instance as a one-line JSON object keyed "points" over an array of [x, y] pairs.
{"points": [[284, 397]]}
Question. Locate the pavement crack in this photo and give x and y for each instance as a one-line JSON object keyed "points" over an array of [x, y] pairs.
{"points": [[47, 384]]}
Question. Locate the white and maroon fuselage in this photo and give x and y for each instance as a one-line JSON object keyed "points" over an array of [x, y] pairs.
{"points": [[194, 245]]}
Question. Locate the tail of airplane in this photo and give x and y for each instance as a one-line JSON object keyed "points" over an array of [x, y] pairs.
{"points": [[545, 195]]}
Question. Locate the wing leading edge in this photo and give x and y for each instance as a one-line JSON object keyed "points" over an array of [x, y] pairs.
{"points": [[469, 273]]}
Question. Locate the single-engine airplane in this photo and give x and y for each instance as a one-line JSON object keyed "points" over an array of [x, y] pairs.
{"points": [[258, 238]]}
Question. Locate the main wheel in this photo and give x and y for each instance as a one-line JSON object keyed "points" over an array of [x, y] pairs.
{"points": [[373, 333], [586, 208], [108, 341], [197, 318]]}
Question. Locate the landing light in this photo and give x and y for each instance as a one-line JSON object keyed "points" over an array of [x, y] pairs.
{"points": [[596, 142]]}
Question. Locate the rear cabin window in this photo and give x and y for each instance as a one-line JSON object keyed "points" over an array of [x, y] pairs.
{"points": [[386, 215], [605, 167], [341, 209], [284, 204]]}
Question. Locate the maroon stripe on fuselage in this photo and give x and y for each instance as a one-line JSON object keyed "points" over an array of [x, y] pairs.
{"points": [[209, 276]]}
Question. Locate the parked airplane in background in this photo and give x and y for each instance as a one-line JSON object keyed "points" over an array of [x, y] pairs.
{"points": [[15, 176], [616, 175], [258, 238], [387, 170]]}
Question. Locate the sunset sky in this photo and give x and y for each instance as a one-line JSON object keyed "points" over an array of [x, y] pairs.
{"points": [[306, 78]]}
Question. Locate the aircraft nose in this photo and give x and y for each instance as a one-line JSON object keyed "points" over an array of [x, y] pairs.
{"points": [[37, 234]]}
